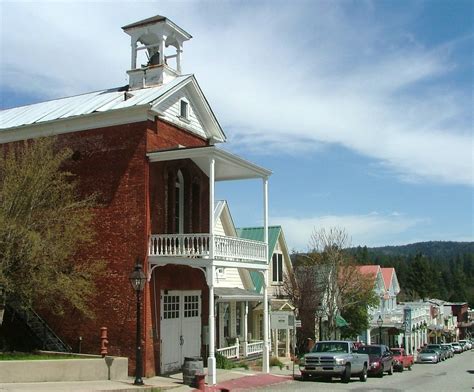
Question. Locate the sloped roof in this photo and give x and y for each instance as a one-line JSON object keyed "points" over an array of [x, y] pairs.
{"points": [[257, 234], [369, 269], [387, 274], [79, 105]]}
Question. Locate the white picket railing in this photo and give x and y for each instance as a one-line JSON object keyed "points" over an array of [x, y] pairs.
{"points": [[253, 348], [197, 245], [230, 352]]}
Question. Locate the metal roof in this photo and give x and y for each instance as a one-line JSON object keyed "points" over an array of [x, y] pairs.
{"points": [[256, 234], [79, 105]]}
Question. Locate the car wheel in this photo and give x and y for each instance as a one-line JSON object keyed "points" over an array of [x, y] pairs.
{"points": [[402, 369], [346, 376], [305, 376], [363, 375], [380, 374], [409, 367]]}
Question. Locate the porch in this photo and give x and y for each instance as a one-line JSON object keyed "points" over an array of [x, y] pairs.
{"points": [[190, 237]]}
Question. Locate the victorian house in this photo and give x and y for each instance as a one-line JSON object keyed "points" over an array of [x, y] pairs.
{"points": [[150, 150]]}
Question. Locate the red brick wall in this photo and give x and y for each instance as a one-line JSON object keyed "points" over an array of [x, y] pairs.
{"points": [[112, 162]]}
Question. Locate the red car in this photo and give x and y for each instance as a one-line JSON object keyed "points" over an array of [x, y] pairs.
{"points": [[380, 359], [401, 359]]}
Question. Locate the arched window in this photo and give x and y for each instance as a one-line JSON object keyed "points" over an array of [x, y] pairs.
{"points": [[179, 203]]}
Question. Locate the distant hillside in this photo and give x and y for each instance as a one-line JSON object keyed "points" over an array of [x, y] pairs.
{"points": [[432, 249]]}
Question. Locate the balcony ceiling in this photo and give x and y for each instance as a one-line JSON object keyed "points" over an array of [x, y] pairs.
{"points": [[227, 166]]}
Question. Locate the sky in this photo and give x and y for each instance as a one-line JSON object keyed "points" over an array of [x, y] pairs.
{"points": [[363, 110]]}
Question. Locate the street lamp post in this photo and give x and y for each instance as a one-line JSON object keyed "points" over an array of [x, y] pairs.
{"points": [[380, 323], [137, 279]]}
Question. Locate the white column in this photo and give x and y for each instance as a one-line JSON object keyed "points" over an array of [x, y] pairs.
{"points": [[265, 213], [162, 50], [275, 342], [179, 50], [232, 319], [287, 345], [134, 54], [211, 360], [266, 343], [220, 315], [245, 313], [369, 340], [211, 276]]}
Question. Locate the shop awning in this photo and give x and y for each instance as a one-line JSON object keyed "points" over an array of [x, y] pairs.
{"points": [[225, 294], [340, 322]]}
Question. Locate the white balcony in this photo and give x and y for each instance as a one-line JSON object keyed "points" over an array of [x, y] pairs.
{"points": [[199, 246]]}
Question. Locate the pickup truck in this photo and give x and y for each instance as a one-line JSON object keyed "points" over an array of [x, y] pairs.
{"points": [[401, 359], [335, 358]]}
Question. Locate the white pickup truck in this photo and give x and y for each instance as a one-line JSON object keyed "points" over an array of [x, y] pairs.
{"points": [[335, 359]]}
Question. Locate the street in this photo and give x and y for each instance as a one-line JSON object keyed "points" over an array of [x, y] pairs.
{"points": [[456, 374]]}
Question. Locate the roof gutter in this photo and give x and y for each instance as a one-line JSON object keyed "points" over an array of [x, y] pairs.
{"points": [[84, 122]]}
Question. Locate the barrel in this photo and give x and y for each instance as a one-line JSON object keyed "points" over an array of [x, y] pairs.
{"points": [[191, 366]]}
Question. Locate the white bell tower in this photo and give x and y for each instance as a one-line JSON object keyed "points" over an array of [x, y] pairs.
{"points": [[155, 35]]}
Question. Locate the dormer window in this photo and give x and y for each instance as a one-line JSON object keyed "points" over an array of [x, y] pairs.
{"points": [[184, 110]]}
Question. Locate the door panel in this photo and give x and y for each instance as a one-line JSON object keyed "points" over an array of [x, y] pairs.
{"points": [[170, 331], [191, 324], [180, 328]]}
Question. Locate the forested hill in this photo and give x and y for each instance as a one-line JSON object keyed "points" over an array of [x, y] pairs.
{"points": [[434, 269], [431, 249]]}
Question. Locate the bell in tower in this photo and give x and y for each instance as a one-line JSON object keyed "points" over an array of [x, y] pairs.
{"points": [[162, 41]]}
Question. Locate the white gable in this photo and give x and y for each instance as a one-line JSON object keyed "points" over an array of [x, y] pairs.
{"points": [[229, 277], [171, 112]]}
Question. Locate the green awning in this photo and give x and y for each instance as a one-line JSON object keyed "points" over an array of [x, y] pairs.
{"points": [[340, 322]]}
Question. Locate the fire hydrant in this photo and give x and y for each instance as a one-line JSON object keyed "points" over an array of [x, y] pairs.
{"points": [[103, 341]]}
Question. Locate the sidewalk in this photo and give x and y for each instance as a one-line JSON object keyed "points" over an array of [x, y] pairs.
{"points": [[228, 380]]}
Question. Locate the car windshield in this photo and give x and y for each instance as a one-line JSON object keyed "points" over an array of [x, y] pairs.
{"points": [[330, 347], [434, 346], [369, 350], [396, 351], [428, 351]]}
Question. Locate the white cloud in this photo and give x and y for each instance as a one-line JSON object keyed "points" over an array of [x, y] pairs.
{"points": [[285, 79], [371, 229]]}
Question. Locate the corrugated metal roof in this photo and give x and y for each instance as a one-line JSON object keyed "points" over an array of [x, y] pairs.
{"points": [[256, 234], [79, 105]]}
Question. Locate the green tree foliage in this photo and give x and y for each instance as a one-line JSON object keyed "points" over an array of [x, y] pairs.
{"points": [[443, 270], [357, 314], [43, 224]]}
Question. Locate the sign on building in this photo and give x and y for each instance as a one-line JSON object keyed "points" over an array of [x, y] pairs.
{"points": [[282, 320]]}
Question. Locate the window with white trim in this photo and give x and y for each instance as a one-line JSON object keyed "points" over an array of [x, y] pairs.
{"points": [[184, 109], [277, 268]]}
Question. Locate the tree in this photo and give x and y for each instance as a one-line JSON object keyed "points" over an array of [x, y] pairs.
{"points": [[43, 224], [304, 290], [329, 276]]}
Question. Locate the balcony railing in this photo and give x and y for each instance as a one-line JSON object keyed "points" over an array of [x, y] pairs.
{"points": [[198, 245]]}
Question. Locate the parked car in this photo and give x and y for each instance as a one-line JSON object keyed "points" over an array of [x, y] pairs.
{"points": [[335, 359], [401, 359], [380, 359], [448, 348], [457, 348], [428, 355], [467, 343], [442, 355], [463, 345]]}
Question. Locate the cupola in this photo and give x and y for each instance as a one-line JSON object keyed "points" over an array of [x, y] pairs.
{"points": [[162, 42]]}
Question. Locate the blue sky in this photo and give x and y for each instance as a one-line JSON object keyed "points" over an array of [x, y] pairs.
{"points": [[363, 110]]}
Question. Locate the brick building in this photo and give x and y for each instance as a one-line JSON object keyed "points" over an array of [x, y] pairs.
{"points": [[149, 150]]}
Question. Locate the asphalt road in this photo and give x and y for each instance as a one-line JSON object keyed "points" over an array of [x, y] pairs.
{"points": [[456, 374]]}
